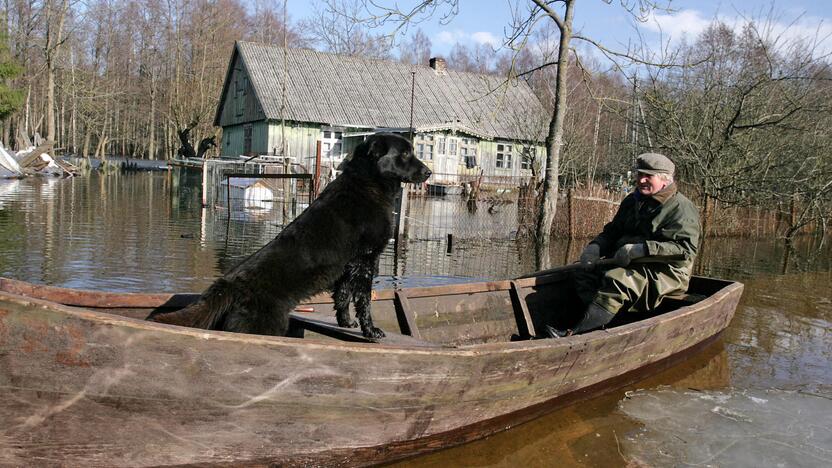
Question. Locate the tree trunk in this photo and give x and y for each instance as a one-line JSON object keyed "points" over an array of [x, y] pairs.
{"points": [[554, 142], [593, 161], [53, 43], [85, 151], [74, 113], [152, 130]]}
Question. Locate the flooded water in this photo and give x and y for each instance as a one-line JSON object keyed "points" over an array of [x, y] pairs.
{"points": [[759, 396]]}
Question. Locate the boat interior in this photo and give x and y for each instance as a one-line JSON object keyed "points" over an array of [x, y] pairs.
{"points": [[443, 316]]}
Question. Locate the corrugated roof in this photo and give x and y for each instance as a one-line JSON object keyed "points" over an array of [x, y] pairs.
{"points": [[355, 91]]}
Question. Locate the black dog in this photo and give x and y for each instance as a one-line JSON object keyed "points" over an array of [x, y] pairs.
{"points": [[334, 244]]}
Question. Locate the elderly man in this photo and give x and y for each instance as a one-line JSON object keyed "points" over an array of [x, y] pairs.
{"points": [[653, 240]]}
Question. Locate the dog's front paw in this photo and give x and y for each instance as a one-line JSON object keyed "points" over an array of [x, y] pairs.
{"points": [[346, 322], [372, 332]]}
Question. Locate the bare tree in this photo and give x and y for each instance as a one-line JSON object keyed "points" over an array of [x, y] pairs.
{"points": [[335, 28], [269, 24], [749, 125], [481, 58], [54, 12], [524, 23], [416, 49]]}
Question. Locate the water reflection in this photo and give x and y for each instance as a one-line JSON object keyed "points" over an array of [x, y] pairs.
{"points": [[148, 231]]}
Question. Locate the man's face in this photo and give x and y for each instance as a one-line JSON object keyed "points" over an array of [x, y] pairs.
{"points": [[649, 185]]}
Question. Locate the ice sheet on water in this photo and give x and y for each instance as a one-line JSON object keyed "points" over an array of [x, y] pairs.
{"points": [[729, 428]]}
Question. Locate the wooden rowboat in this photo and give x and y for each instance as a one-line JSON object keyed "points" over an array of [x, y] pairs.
{"points": [[85, 381]]}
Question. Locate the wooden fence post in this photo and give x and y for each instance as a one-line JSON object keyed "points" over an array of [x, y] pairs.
{"points": [[570, 207]]}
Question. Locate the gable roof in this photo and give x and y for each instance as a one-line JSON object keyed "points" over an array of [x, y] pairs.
{"points": [[349, 91]]}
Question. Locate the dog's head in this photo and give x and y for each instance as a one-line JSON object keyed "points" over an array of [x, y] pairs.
{"points": [[392, 156]]}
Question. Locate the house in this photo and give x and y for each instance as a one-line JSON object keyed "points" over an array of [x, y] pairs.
{"points": [[278, 101]]}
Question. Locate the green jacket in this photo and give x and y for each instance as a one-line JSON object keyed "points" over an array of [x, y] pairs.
{"points": [[667, 222]]}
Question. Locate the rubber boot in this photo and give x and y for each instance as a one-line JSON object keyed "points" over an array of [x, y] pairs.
{"points": [[595, 317]]}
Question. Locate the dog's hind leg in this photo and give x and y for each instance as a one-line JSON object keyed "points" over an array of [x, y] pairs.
{"points": [[342, 295], [362, 289]]}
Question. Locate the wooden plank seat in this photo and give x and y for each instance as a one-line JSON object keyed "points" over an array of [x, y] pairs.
{"points": [[404, 315], [525, 327], [325, 325]]}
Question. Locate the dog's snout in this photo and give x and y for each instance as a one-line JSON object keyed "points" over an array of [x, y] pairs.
{"points": [[428, 173]]}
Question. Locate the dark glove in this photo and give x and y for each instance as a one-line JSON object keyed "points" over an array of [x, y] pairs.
{"points": [[591, 254], [629, 252]]}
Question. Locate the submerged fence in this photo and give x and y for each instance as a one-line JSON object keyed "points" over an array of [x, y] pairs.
{"points": [[458, 225]]}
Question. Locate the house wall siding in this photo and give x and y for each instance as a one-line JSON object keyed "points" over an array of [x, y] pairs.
{"points": [[240, 105], [233, 139], [301, 140]]}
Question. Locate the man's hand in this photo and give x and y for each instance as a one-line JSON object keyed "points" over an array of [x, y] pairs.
{"points": [[629, 252], [591, 254]]}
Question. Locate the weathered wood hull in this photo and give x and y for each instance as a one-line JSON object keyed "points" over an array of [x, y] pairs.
{"points": [[83, 387]]}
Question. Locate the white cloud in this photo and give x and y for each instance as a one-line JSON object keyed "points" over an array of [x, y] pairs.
{"points": [[483, 37], [449, 37], [454, 36], [786, 29], [676, 25]]}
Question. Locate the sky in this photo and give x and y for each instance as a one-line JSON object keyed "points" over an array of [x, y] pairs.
{"points": [[484, 21]]}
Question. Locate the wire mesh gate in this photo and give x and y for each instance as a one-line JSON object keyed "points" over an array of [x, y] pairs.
{"points": [[278, 198]]}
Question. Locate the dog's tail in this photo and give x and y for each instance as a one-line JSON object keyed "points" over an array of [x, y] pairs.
{"points": [[208, 312]]}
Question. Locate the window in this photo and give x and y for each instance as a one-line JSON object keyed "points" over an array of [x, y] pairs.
{"points": [[441, 147], [247, 139], [452, 146], [429, 138], [528, 157], [331, 143], [239, 101], [420, 151], [463, 151], [429, 152], [504, 156]]}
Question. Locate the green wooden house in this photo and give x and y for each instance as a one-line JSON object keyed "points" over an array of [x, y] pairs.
{"points": [[278, 101]]}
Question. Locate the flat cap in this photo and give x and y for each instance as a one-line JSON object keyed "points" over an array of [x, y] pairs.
{"points": [[654, 163]]}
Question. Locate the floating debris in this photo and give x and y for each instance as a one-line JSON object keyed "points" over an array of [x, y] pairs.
{"points": [[9, 167]]}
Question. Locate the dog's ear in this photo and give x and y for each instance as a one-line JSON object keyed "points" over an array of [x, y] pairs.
{"points": [[360, 152], [367, 149], [378, 145]]}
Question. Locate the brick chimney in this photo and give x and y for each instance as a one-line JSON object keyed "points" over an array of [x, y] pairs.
{"points": [[439, 65]]}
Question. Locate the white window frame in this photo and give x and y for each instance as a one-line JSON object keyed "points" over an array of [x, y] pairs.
{"points": [[453, 146], [504, 156], [332, 143], [529, 153]]}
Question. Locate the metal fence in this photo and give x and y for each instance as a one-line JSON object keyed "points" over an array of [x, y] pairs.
{"points": [[473, 226], [282, 196]]}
